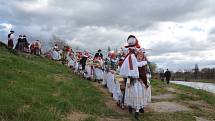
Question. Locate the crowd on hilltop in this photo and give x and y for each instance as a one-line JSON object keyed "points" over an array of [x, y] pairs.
{"points": [[23, 45], [125, 73]]}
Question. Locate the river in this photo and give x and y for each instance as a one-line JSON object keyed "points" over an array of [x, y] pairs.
{"points": [[210, 87]]}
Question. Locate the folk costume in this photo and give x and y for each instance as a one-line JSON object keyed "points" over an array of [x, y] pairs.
{"points": [[134, 95], [98, 63]]}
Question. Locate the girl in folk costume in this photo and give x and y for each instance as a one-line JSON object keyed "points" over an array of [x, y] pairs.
{"points": [[129, 69], [144, 79], [77, 62]]}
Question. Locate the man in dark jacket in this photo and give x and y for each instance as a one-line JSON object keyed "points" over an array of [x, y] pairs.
{"points": [[19, 40], [99, 54], [167, 75]]}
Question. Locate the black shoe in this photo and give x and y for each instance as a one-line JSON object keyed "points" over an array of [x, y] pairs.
{"points": [[130, 109], [141, 110], [136, 115]]}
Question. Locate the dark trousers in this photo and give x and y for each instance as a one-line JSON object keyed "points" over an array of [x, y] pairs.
{"points": [[167, 80]]}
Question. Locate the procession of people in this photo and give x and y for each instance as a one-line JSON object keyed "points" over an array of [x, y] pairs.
{"points": [[23, 45], [125, 74]]}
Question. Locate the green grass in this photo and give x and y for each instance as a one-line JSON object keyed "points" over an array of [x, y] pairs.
{"points": [[36, 89], [184, 95], [158, 87], [195, 94]]}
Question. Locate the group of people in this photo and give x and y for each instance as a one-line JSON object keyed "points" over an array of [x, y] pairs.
{"points": [[23, 45], [125, 74]]}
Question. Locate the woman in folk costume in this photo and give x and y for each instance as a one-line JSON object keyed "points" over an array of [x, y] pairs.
{"points": [[70, 58], [129, 69], [110, 73], [77, 62], [106, 70], [117, 93], [143, 78], [89, 69], [148, 90], [98, 70], [98, 63], [36, 47], [55, 53], [25, 45]]}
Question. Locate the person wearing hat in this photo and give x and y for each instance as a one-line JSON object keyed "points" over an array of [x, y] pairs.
{"points": [[99, 54], [129, 70], [10, 40]]}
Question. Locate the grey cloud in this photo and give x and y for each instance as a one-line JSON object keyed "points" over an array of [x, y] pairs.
{"points": [[100, 23], [186, 45]]}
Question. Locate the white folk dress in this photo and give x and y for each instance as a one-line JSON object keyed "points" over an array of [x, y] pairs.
{"points": [[117, 93], [110, 82], [147, 92], [134, 94]]}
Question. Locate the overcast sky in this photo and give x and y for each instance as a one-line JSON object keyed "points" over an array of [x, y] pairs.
{"points": [[180, 33]]}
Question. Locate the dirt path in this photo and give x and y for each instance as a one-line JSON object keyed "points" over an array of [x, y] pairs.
{"points": [[159, 102], [163, 103], [110, 102]]}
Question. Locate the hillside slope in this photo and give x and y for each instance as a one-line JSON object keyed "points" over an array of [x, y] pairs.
{"points": [[36, 89]]}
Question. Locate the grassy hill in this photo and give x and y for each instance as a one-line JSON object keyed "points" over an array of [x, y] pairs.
{"points": [[36, 89]]}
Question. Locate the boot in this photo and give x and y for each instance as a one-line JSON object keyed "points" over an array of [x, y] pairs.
{"points": [[142, 110], [136, 115], [130, 109]]}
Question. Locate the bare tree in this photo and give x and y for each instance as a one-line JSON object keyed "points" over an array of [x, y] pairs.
{"points": [[57, 40]]}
